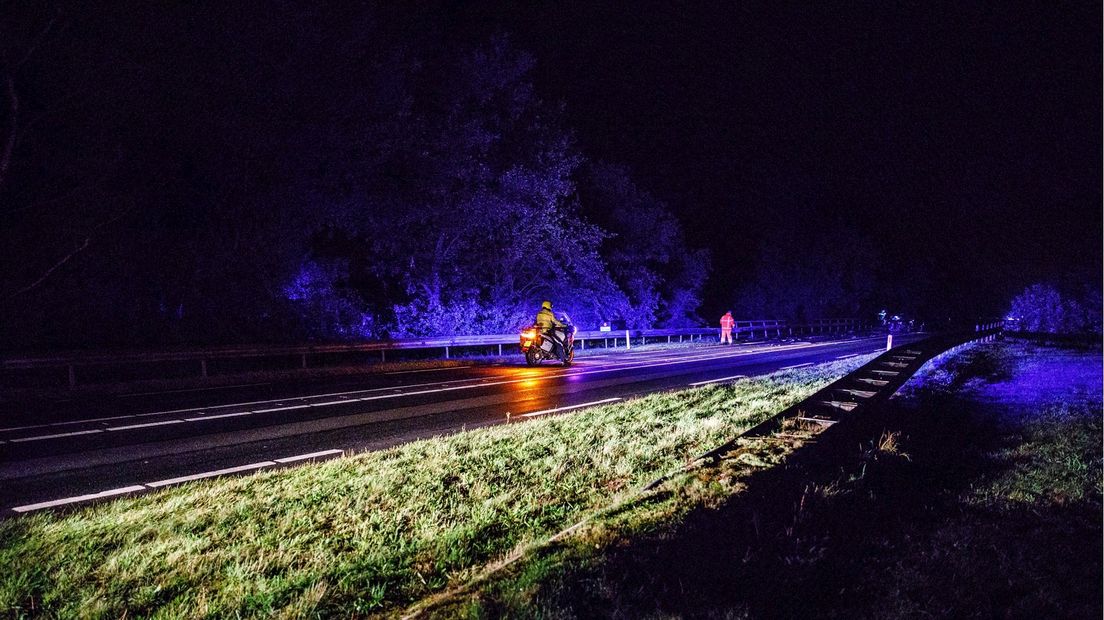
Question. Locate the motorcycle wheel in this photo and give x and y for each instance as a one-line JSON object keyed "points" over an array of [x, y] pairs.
{"points": [[532, 356], [570, 357]]}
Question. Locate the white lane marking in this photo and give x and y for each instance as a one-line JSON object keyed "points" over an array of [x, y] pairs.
{"points": [[290, 407], [202, 389], [719, 380], [600, 369], [79, 498], [568, 408], [843, 357], [215, 417], [55, 436], [796, 366], [408, 372], [303, 457], [210, 474], [130, 426], [171, 481], [106, 419], [22, 428]]}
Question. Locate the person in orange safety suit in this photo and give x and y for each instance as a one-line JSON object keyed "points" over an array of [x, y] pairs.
{"points": [[727, 322]]}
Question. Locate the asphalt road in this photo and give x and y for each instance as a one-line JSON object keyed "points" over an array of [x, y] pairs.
{"points": [[61, 454]]}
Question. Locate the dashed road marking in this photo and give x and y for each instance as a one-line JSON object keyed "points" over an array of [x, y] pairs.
{"points": [[79, 498], [290, 407], [210, 474], [312, 455], [202, 389], [147, 424], [216, 417], [55, 436], [409, 372], [796, 366], [134, 488]]}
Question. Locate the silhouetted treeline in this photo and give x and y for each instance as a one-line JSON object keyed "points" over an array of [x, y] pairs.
{"points": [[191, 176]]}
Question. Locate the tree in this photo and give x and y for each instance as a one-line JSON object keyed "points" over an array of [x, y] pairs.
{"points": [[802, 274], [1042, 308], [319, 174], [646, 249], [454, 205]]}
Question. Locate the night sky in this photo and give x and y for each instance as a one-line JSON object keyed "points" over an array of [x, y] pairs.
{"points": [[962, 141], [961, 135]]}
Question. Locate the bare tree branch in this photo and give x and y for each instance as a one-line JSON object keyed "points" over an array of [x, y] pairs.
{"points": [[39, 38], [13, 120], [10, 69], [64, 259], [51, 270]]}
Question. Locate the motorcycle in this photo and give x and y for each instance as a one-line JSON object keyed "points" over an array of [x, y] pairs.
{"points": [[557, 343]]}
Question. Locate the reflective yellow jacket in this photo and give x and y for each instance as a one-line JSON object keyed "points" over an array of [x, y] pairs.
{"points": [[547, 320]]}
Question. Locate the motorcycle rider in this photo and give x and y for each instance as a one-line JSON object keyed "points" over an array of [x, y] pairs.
{"points": [[547, 322], [545, 319]]}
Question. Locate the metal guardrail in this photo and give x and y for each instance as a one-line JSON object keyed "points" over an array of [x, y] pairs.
{"points": [[71, 361]]}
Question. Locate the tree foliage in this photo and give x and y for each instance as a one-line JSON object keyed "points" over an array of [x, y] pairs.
{"points": [[1042, 308], [429, 190], [801, 274], [646, 249]]}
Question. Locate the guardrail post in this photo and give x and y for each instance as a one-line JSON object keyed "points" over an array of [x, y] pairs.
{"points": [[203, 368], [446, 353], [383, 356], [72, 376], [303, 360], [889, 342], [628, 345]]}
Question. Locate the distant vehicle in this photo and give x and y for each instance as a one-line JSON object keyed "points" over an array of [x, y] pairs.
{"points": [[557, 343]]}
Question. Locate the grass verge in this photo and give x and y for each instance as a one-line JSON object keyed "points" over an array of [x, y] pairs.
{"points": [[976, 493], [374, 532]]}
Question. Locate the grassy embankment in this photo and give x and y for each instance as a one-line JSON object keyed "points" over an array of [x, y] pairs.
{"points": [[376, 531], [976, 493]]}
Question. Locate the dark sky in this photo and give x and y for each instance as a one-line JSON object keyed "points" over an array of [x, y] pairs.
{"points": [[964, 136]]}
